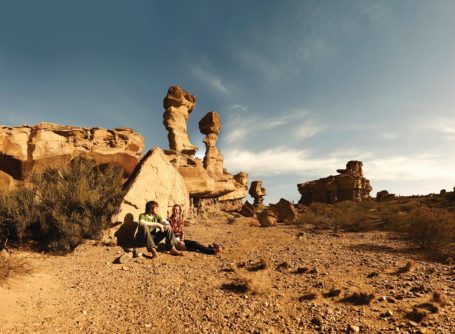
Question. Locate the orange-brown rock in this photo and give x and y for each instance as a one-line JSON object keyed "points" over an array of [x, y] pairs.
{"points": [[348, 185], [267, 218], [28, 149], [285, 211], [248, 210], [210, 126], [257, 191], [178, 105]]}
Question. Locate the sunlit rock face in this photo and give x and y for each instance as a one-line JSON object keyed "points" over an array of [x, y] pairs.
{"points": [[178, 104], [25, 150], [209, 185], [350, 184]]}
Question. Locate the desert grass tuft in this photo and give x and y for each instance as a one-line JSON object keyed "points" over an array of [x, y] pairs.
{"points": [[11, 267]]}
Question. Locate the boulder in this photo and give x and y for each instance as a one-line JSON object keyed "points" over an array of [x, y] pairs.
{"points": [[285, 211], [350, 184], [267, 218], [384, 195], [154, 179], [248, 210], [25, 150], [178, 105]]}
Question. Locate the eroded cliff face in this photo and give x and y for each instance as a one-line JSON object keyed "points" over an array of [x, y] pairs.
{"points": [[350, 184], [25, 150]]}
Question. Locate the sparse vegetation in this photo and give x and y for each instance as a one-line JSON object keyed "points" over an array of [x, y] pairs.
{"points": [[62, 207], [11, 267]]}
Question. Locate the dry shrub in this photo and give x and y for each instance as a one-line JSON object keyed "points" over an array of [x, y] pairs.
{"points": [[62, 207], [253, 283], [11, 267], [440, 298], [431, 228]]}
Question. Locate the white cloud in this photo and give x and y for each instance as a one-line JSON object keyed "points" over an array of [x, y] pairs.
{"points": [[210, 79], [236, 135], [308, 129], [282, 160]]}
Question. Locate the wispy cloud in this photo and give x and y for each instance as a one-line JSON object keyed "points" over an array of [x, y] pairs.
{"points": [[210, 79]]}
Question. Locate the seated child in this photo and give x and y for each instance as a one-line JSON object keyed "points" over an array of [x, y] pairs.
{"points": [[177, 223], [154, 229]]}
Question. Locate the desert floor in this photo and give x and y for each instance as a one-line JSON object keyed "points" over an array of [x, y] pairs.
{"points": [[285, 280]]}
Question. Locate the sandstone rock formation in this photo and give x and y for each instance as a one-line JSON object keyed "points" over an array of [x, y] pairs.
{"points": [[209, 185], [178, 105], [210, 126], [28, 149], [257, 192], [348, 185], [154, 179], [285, 211]]}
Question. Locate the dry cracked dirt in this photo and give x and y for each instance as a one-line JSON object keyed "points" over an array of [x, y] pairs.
{"points": [[268, 280]]}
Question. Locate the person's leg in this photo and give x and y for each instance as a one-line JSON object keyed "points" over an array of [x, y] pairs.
{"points": [[169, 236], [194, 246], [151, 245]]}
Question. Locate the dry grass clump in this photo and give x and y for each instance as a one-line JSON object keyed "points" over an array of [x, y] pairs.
{"points": [[11, 267], [253, 283], [431, 228], [440, 298], [359, 298], [408, 267], [62, 207]]}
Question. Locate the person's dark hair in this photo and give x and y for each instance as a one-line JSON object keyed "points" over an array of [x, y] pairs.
{"points": [[150, 205]]}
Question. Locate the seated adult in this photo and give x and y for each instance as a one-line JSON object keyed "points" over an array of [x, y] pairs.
{"points": [[153, 229], [177, 223]]}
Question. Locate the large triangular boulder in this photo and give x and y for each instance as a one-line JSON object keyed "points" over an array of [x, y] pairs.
{"points": [[154, 179]]}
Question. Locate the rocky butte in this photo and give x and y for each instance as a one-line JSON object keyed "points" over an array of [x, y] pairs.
{"points": [[348, 185]]}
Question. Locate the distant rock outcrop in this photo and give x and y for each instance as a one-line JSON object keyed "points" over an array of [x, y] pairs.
{"points": [[384, 195], [348, 185], [25, 150], [178, 105], [210, 126], [257, 191]]}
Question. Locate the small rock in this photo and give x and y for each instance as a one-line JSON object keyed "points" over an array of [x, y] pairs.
{"points": [[353, 329], [125, 258]]}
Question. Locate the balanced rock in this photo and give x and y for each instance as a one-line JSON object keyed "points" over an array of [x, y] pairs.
{"points": [[257, 192], [178, 105], [348, 185], [25, 150], [210, 126], [154, 179], [208, 183]]}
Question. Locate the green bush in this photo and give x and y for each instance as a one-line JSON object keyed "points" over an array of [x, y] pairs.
{"points": [[65, 206]]}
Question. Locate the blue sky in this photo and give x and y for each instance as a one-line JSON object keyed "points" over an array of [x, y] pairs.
{"points": [[301, 86]]}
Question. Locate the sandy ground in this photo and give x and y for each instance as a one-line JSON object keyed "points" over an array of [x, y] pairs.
{"points": [[296, 282]]}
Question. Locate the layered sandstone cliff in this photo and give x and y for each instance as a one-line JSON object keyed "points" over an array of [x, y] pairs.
{"points": [[25, 150]]}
